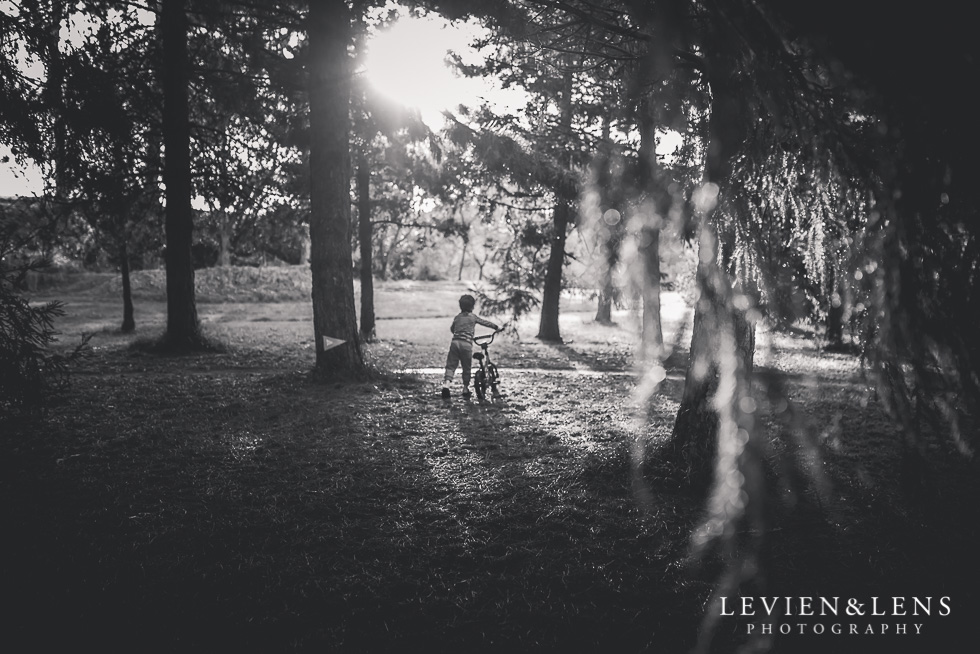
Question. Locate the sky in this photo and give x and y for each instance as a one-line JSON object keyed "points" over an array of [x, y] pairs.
{"points": [[15, 181], [406, 61]]}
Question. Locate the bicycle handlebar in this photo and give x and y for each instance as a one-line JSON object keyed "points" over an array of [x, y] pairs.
{"points": [[485, 339]]}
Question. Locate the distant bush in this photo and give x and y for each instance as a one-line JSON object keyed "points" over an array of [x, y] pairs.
{"points": [[425, 271]]}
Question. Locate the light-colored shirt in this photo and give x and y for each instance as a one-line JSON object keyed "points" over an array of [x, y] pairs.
{"points": [[464, 326]]}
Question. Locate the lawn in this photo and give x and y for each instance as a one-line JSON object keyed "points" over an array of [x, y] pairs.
{"points": [[225, 502]]}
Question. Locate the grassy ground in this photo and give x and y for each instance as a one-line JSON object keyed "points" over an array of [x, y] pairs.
{"points": [[223, 502]]}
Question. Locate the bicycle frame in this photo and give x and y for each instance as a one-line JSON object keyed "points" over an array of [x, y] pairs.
{"points": [[486, 376]]}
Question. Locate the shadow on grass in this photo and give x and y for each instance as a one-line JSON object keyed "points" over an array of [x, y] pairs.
{"points": [[260, 512], [252, 510]]}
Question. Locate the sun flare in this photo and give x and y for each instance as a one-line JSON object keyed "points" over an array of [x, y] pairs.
{"points": [[408, 62]]}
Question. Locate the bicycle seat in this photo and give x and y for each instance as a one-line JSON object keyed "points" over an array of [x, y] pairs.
{"points": [[478, 355]]}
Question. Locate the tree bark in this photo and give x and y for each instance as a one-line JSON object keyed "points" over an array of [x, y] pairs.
{"points": [[183, 327], [656, 205], [609, 186], [715, 318], [129, 321], [603, 313], [365, 238], [334, 313], [548, 329], [652, 338]]}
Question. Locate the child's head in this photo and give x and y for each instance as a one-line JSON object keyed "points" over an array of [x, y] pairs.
{"points": [[467, 302]]}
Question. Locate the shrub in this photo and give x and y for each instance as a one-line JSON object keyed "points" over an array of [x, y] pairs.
{"points": [[30, 372]]}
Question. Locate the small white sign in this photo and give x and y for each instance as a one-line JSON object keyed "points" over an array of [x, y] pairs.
{"points": [[329, 343]]}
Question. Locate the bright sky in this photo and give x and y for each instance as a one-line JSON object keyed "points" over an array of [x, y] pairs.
{"points": [[408, 61], [15, 181]]}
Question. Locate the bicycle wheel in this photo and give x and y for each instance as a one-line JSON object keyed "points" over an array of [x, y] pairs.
{"points": [[480, 385], [493, 380]]}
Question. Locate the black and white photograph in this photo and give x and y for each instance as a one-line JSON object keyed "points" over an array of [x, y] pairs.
{"points": [[479, 326]]}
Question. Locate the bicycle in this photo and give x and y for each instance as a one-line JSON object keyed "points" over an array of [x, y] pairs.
{"points": [[487, 375]]}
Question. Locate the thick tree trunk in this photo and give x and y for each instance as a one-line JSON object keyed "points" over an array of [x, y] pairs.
{"points": [[183, 328], [548, 329], [715, 319], [609, 183], [656, 205], [652, 338], [129, 321], [365, 236], [334, 313]]}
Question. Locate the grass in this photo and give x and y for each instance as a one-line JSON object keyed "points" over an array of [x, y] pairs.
{"points": [[223, 502]]}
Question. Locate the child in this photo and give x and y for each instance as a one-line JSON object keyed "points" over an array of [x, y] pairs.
{"points": [[461, 347]]}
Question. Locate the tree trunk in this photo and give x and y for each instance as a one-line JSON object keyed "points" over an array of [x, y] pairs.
{"points": [[609, 184], [365, 236], [656, 205], [304, 250], [715, 319], [224, 240], [462, 261], [54, 89], [652, 338], [548, 329], [129, 321], [385, 253], [183, 327], [334, 313], [835, 314], [603, 313]]}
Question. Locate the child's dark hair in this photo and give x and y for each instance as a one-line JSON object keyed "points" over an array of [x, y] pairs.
{"points": [[467, 302]]}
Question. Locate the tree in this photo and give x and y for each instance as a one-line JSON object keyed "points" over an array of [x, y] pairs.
{"points": [[101, 100], [183, 328], [920, 256], [364, 234], [30, 371], [244, 148], [114, 97], [334, 315], [383, 134], [565, 194]]}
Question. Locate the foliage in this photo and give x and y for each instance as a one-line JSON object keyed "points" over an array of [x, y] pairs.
{"points": [[30, 372]]}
